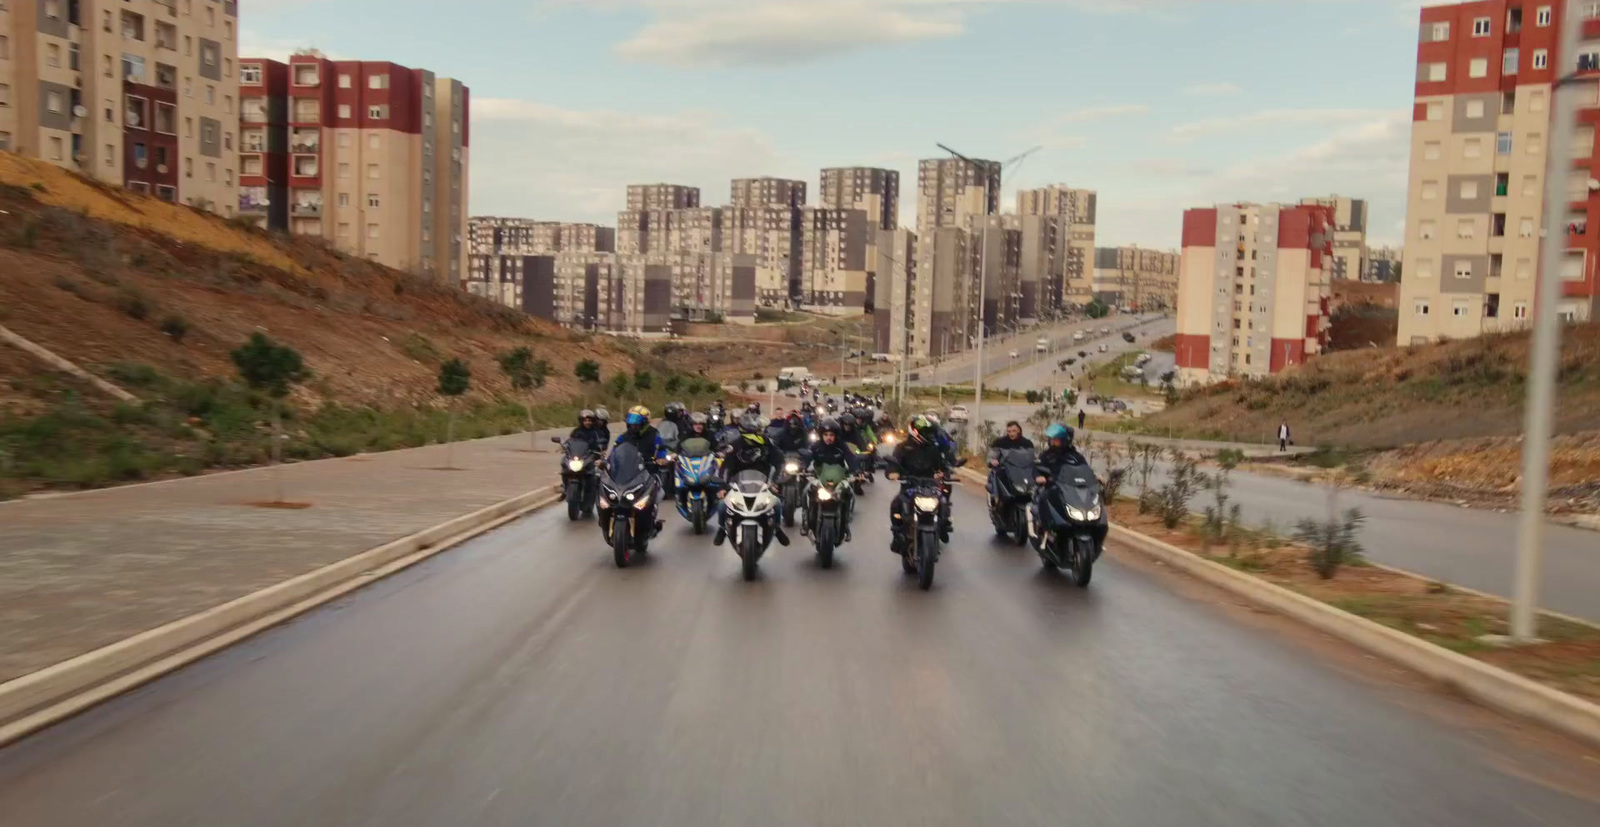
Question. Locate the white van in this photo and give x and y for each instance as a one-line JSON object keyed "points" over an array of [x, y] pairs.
{"points": [[794, 374], [1077, 337]]}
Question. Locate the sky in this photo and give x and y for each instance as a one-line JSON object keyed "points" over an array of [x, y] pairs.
{"points": [[1159, 105]]}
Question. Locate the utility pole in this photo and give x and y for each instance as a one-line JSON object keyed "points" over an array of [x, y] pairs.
{"points": [[983, 281], [1546, 337]]}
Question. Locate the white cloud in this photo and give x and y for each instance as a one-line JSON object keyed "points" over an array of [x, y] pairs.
{"points": [[1100, 113], [279, 49], [1271, 117], [1212, 89], [538, 160], [773, 33]]}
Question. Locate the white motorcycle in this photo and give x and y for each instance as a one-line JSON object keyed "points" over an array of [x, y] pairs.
{"points": [[752, 511]]}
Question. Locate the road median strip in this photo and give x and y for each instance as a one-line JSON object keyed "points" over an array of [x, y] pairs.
{"points": [[42, 698]]}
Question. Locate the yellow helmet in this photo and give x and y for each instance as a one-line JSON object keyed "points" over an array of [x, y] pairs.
{"points": [[640, 410], [637, 415]]}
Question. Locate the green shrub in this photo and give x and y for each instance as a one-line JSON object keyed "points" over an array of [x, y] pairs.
{"points": [[176, 327], [133, 303], [134, 375]]}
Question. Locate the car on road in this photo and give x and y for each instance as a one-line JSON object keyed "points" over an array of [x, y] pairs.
{"points": [[1013, 354], [1077, 337], [1127, 337], [1104, 348], [1070, 360], [1105, 331], [1083, 354], [958, 413]]}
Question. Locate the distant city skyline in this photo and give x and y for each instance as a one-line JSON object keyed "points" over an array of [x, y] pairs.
{"points": [[1146, 103]]}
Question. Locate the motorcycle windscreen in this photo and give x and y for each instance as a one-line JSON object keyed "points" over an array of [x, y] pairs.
{"points": [[750, 482], [1082, 497], [578, 448], [695, 447], [668, 432], [1017, 465], [625, 467], [832, 474]]}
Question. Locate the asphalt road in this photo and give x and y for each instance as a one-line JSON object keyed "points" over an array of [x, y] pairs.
{"points": [[522, 680], [1045, 372], [1470, 547], [958, 368]]}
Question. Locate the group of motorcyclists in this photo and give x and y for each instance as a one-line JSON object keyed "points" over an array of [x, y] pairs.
{"points": [[833, 442]]}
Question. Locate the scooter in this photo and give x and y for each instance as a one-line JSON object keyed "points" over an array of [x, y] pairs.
{"points": [[1069, 524], [627, 504], [580, 477], [695, 474], [1011, 490]]}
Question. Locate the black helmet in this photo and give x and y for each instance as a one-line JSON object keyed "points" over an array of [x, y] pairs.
{"points": [[753, 407], [750, 423], [829, 425], [673, 410], [794, 419], [921, 429], [847, 420]]}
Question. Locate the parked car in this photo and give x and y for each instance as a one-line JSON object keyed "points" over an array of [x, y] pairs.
{"points": [[1070, 360], [1127, 337], [1104, 348], [1013, 354], [958, 413], [1083, 354]]}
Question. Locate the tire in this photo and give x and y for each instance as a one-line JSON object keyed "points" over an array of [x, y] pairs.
{"points": [[825, 543], [1082, 564], [749, 553], [790, 503], [621, 542], [927, 556], [699, 517], [1019, 522], [574, 494]]}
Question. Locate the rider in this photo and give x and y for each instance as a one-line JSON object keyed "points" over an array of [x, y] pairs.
{"points": [[1011, 440], [675, 413], [603, 418], [589, 430], [942, 437], [919, 456], [643, 436], [699, 427], [749, 452], [1058, 455], [790, 434], [850, 432], [829, 449]]}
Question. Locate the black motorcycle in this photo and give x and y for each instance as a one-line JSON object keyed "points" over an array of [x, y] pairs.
{"points": [[580, 477], [927, 505], [627, 505], [1072, 523], [790, 485], [1011, 491], [828, 506]]}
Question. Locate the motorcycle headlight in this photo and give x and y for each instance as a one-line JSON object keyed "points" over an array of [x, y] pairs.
{"points": [[1076, 514], [792, 468], [628, 496], [927, 503], [824, 494], [575, 464], [1094, 513], [813, 437]]}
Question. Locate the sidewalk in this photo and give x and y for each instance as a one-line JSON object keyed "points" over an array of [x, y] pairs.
{"points": [[1250, 449], [81, 571]]}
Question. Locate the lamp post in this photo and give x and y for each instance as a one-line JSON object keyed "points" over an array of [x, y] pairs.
{"points": [[983, 281]]}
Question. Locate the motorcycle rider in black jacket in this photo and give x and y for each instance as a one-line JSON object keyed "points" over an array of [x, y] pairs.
{"points": [[751, 451], [919, 456]]}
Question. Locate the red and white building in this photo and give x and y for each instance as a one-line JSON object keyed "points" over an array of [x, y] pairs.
{"points": [[1479, 140], [1253, 289]]}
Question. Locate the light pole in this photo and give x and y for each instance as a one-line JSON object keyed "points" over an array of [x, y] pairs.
{"points": [[983, 281]]}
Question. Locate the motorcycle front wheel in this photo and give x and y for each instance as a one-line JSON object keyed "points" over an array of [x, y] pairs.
{"points": [[825, 542], [621, 542], [927, 556], [1019, 524], [699, 511], [1082, 562], [750, 552], [574, 494]]}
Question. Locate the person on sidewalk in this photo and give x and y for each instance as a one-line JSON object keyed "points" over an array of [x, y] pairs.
{"points": [[1081, 417], [1283, 436]]}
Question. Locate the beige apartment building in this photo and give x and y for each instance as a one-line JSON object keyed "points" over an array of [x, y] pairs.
{"points": [[1479, 139], [1046, 242], [877, 191], [834, 259], [1253, 291], [951, 194], [1137, 278], [140, 94], [895, 295], [1349, 235], [377, 158], [662, 197], [767, 192], [524, 236], [1080, 207]]}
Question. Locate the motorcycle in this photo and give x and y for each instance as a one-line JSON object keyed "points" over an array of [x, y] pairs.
{"points": [[579, 477], [1011, 489], [1071, 524], [695, 474], [627, 504], [790, 486], [668, 432], [920, 533], [828, 507], [751, 508]]}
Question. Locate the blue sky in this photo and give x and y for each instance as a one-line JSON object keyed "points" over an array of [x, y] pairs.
{"points": [[1157, 104]]}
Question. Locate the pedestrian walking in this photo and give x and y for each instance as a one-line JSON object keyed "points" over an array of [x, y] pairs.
{"points": [[1081, 417], [1283, 437]]}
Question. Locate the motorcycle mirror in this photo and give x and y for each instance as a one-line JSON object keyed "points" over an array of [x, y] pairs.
{"points": [[961, 461], [556, 440]]}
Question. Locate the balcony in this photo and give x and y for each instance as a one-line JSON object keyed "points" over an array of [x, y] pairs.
{"points": [[306, 74], [305, 166], [306, 140], [306, 208]]}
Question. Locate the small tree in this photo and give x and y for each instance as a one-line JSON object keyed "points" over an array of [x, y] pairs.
{"points": [[618, 385], [674, 384], [643, 380], [526, 374], [454, 379], [273, 369], [1173, 498], [1218, 516], [1169, 387], [1332, 543], [587, 371], [1145, 458]]}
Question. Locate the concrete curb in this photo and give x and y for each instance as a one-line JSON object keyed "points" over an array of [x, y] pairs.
{"points": [[42, 698], [1488, 685]]}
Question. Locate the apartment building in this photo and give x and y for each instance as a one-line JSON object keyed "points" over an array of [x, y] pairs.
{"points": [[1480, 130], [662, 197], [877, 191], [1137, 278], [951, 190], [649, 211], [136, 93], [1043, 273], [896, 299], [773, 236], [264, 143], [1349, 235], [951, 194], [1253, 289], [995, 258], [1383, 264], [767, 192], [378, 158], [834, 259], [1080, 207], [526, 236]]}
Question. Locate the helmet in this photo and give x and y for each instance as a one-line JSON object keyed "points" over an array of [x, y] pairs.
{"points": [[638, 415], [754, 407], [847, 420], [1059, 431], [829, 425], [698, 418], [585, 414], [794, 419], [673, 410], [750, 423], [921, 428], [602, 414], [933, 419]]}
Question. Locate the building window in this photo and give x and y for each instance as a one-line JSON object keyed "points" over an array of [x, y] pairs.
{"points": [[1432, 151], [1425, 268], [374, 141], [344, 110], [1535, 146], [377, 112], [211, 95], [1460, 308], [1441, 31], [1481, 27], [55, 149], [250, 73], [53, 102], [1525, 228], [5, 95], [1469, 189], [372, 231], [1502, 143], [1519, 310], [52, 56], [1463, 269], [1420, 307], [344, 82], [1478, 67], [344, 229], [1475, 108], [344, 170], [378, 82], [1430, 190], [1542, 16], [1541, 58], [1508, 61], [372, 172], [1530, 185], [5, 47], [373, 200], [344, 199], [211, 172], [1465, 228]]}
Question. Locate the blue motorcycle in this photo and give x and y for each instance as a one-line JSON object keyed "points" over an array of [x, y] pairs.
{"points": [[695, 479]]}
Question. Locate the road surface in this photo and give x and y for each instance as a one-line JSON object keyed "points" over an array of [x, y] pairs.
{"points": [[1470, 547], [1046, 372], [522, 680], [958, 369]]}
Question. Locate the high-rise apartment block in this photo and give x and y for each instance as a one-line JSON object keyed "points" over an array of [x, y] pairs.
{"points": [[877, 191], [1253, 289], [896, 299], [1481, 128], [768, 192], [952, 193], [377, 158], [504, 253], [1383, 264], [951, 190], [140, 94], [1349, 235], [1139, 279], [835, 252], [1043, 274], [1079, 206], [662, 197]]}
